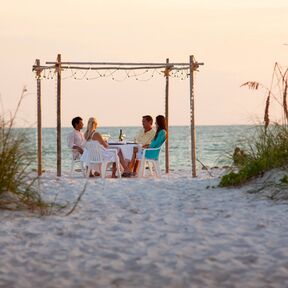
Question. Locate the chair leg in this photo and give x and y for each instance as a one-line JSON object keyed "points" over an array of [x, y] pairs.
{"points": [[150, 167], [72, 168], [82, 168], [103, 169], [118, 169], [157, 169], [88, 171], [142, 169]]}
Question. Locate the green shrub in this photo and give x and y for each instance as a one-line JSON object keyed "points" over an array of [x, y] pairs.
{"points": [[268, 149], [284, 179], [16, 178], [14, 161]]}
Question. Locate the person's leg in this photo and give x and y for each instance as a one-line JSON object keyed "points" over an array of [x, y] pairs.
{"points": [[123, 162], [114, 169], [137, 161], [133, 159], [135, 169]]}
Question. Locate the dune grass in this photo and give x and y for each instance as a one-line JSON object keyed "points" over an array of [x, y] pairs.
{"points": [[18, 189], [268, 149]]}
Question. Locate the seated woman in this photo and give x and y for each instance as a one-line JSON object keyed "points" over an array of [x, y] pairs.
{"points": [[159, 139], [92, 135]]}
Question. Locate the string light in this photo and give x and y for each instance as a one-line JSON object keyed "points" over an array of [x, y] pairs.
{"points": [[116, 74]]}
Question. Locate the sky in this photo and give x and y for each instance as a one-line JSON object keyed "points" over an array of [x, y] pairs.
{"points": [[238, 41]]}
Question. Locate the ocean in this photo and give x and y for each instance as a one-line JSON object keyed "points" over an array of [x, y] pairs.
{"points": [[214, 144]]}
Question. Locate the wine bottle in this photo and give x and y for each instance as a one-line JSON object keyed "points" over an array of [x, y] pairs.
{"points": [[121, 136]]}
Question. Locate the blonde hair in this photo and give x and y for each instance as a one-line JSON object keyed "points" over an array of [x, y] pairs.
{"points": [[91, 127]]}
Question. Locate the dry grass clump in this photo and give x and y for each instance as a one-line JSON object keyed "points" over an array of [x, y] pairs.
{"points": [[268, 149], [17, 183]]}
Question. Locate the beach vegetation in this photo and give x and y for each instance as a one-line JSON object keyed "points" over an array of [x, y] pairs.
{"points": [[18, 184], [268, 147], [267, 150], [284, 179]]}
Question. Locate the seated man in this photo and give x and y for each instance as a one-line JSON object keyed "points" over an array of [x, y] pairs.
{"points": [[75, 139], [144, 138]]}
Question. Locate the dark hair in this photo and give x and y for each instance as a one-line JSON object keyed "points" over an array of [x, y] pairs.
{"points": [[76, 121], [148, 118], [161, 122]]}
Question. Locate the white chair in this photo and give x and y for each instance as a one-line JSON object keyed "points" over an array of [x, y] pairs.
{"points": [[153, 164], [95, 154], [75, 159]]}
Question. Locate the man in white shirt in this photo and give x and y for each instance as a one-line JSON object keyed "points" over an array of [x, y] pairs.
{"points": [[75, 139], [146, 135], [144, 138]]}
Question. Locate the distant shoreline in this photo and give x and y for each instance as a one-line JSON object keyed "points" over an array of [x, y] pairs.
{"points": [[137, 126]]}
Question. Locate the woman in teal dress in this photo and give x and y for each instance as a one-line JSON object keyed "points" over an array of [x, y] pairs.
{"points": [[159, 139]]}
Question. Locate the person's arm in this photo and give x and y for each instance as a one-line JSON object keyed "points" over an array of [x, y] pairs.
{"points": [[70, 140], [70, 143], [149, 137], [98, 137], [161, 137], [79, 149]]}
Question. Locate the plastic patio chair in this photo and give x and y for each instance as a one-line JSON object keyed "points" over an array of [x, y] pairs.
{"points": [[95, 154], [153, 164], [75, 159]]}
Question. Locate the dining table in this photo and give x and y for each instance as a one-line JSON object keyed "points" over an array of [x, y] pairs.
{"points": [[126, 147]]}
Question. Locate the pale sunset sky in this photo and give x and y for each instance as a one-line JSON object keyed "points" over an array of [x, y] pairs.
{"points": [[237, 40]]}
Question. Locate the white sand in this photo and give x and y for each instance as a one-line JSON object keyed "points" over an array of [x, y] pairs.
{"points": [[172, 232]]}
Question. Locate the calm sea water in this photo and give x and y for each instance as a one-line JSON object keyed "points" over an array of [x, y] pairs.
{"points": [[213, 144]]}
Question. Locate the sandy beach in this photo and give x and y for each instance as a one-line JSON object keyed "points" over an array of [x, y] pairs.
{"points": [[170, 232], [213, 77]]}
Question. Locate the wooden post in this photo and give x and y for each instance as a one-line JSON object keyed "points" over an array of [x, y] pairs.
{"points": [[58, 70], [167, 70], [192, 115], [39, 118]]}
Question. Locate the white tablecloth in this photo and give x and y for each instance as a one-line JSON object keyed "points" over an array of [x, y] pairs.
{"points": [[127, 149]]}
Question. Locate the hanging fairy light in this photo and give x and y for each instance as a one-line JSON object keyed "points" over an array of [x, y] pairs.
{"points": [[118, 74]]}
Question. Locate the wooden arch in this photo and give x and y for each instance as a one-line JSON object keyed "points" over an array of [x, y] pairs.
{"points": [[59, 66]]}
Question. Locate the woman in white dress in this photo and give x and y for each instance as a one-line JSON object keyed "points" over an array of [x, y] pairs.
{"points": [[92, 135]]}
